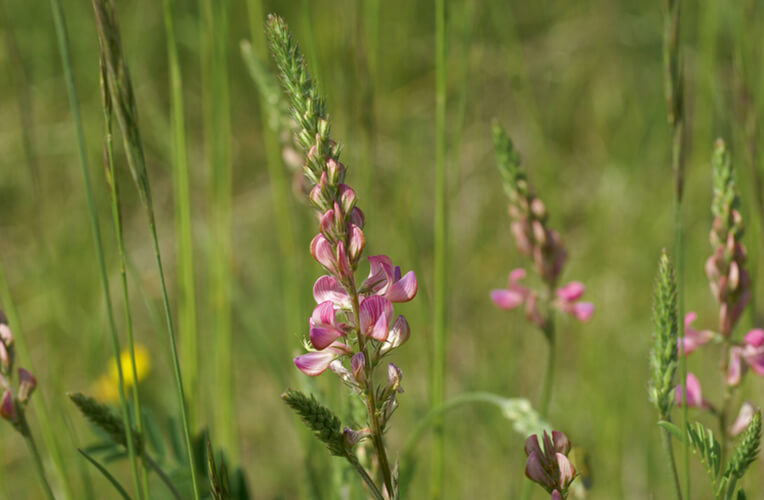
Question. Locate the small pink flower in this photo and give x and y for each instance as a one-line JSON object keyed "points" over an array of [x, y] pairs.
{"points": [[568, 301], [549, 467], [7, 407], [328, 288], [27, 384], [386, 280], [735, 367], [753, 350], [694, 395], [514, 295], [321, 250], [315, 363], [743, 419], [375, 316], [692, 337], [323, 326]]}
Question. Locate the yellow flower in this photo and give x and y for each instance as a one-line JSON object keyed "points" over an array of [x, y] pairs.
{"points": [[105, 386]]}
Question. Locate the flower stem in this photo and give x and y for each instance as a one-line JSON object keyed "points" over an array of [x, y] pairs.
{"points": [[165, 479], [666, 440], [27, 433], [365, 476], [546, 391]]}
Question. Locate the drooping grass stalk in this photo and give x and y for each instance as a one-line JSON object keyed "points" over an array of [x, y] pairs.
{"points": [[63, 46], [187, 325], [123, 100], [437, 388], [674, 89], [280, 193], [111, 177], [217, 133]]}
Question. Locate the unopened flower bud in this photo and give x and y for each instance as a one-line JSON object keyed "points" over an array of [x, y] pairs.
{"points": [[394, 377], [27, 384], [6, 360], [356, 217], [347, 198], [399, 334], [538, 209], [326, 224], [352, 437], [333, 171], [343, 264], [7, 407], [357, 367], [357, 242]]}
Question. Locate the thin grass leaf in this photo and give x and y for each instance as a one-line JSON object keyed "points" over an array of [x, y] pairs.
{"points": [[105, 474]]}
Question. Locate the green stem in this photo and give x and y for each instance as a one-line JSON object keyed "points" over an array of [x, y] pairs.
{"points": [[439, 271], [27, 433], [666, 440], [165, 479], [174, 350], [187, 326], [546, 391], [63, 45], [365, 477]]}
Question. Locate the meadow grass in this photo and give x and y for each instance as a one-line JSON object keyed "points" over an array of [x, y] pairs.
{"points": [[580, 89]]}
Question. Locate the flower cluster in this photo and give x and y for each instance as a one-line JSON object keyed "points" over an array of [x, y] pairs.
{"points": [[730, 283], [550, 466], [12, 405], [535, 239]]}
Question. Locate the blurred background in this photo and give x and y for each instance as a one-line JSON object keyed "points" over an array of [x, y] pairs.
{"points": [[579, 86]]}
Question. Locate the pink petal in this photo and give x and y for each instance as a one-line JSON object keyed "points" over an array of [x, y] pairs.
{"points": [[506, 299], [735, 366], [556, 495], [357, 366], [379, 331], [689, 318], [322, 336], [694, 339], [583, 310], [323, 314], [743, 419], [755, 337], [399, 334], [532, 445], [7, 408], [357, 242], [380, 274], [516, 275], [404, 289], [561, 442], [694, 395], [315, 363], [755, 358], [535, 471], [328, 288], [567, 471], [321, 250], [571, 292], [371, 309]]}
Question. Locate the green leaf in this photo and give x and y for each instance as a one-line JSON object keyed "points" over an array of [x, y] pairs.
{"points": [[706, 448], [105, 474], [673, 430]]}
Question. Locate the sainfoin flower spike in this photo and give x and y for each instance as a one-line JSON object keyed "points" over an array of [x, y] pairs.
{"points": [[352, 327], [14, 401], [549, 466]]}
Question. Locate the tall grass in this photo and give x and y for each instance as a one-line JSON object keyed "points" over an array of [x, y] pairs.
{"points": [[440, 251], [63, 46], [217, 139]]}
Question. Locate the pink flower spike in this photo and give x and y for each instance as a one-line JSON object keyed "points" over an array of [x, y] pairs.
{"points": [[692, 337], [694, 395], [743, 419], [755, 337], [327, 288], [506, 299], [571, 292], [403, 289], [321, 250]]}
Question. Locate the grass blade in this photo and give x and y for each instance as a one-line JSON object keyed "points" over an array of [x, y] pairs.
{"points": [[105, 474]]}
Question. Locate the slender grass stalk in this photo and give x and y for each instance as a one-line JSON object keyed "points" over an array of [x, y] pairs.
{"points": [[187, 323], [439, 272], [63, 46], [546, 391], [669, 450], [105, 472], [674, 88], [123, 99], [218, 139], [117, 221]]}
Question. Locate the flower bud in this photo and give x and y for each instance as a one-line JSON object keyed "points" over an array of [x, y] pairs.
{"points": [[357, 242], [394, 377], [333, 171], [357, 367], [347, 198], [7, 407], [6, 337], [27, 384], [352, 437], [356, 217], [538, 209], [343, 264], [6, 360]]}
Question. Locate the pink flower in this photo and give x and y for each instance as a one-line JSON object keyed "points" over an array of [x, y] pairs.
{"points": [[549, 468], [568, 301], [7, 407], [514, 295], [385, 280], [375, 316], [323, 326], [753, 350], [692, 337], [694, 395], [743, 419], [316, 362], [327, 288]]}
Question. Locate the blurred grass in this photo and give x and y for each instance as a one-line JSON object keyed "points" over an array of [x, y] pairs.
{"points": [[579, 86]]}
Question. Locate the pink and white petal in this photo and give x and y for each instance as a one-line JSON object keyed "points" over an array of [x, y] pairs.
{"points": [[583, 310], [506, 299], [321, 250], [561, 442], [694, 395], [315, 363], [571, 292], [404, 289], [532, 445], [380, 274], [328, 288], [735, 366], [567, 471], [323, 314], [689, 318], [556, 495], [322, 336], [744, 418], [755, 337], [371, 309], [399, 333], [694, 339], [755, 358], [379, 331]]}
